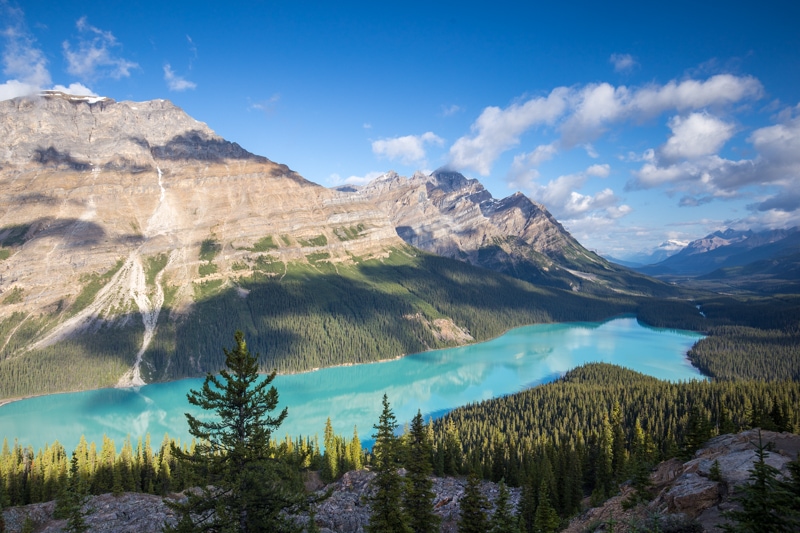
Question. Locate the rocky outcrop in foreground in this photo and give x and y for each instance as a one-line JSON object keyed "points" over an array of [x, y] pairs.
{"points": [[687, 499], [345, 511]]}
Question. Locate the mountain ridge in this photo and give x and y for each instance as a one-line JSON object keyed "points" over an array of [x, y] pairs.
{"points": [[727, 249]]}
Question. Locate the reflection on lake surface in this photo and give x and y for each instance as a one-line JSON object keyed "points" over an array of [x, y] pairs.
{"points": [[433, 382]]}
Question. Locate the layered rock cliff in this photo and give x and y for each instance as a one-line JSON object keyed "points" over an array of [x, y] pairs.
{"points": [[138, 197], [449, 215], [687, 497]]}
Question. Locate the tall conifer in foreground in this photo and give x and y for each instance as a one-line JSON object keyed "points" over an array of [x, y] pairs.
{"points": [[503, 519], [73, 499], [768, 505], [419, 495], [387, 513], [247, 484], [473, 507]]}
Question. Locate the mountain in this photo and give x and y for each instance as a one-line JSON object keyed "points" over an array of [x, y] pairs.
{"points": [[134, 241], [662, 252], [727, 249], [452, 216]]}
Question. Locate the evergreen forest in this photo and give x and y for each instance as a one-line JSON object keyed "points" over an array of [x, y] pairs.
{"points": [[578, 437]]}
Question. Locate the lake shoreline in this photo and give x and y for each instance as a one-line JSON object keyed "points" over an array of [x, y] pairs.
{"points": [[7, 401], [435, 381]]}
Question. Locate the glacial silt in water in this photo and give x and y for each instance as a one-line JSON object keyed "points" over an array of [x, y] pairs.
{"points": [[433, 382]]}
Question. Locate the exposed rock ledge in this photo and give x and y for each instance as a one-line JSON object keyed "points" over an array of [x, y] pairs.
{"points": [[345, 511], [685, 493]]}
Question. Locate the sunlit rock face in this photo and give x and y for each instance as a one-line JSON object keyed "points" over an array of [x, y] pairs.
{"points": [[127, 193], [447, 214]]}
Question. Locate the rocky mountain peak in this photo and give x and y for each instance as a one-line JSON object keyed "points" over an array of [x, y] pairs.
{"points": [[80, 133], [447, 214], [449, 181]]}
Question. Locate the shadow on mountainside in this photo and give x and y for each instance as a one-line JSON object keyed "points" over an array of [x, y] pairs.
{"points": [[195, 145], [76, 233], [53, 158]]}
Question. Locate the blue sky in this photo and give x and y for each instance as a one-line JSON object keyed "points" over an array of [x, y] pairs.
{"points": [[634, 123]]}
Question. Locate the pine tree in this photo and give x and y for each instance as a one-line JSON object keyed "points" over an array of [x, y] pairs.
{"points": [[72, 499], [387, 513], [355, 451], [330, 468], [639, 468], [604, 479], [527, 505], [503, 520], [473, 507], [767, 505], [419, 495], [619, 456], [546, 519], [248, 483]]}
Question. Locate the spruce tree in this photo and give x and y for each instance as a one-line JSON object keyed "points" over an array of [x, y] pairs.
{"points": [[473, 507], [330, 467], [248, 483], [767, 504], [419, 495], [546, 519], [355, 451], [72, 499], [503, 520], [387, 513]]}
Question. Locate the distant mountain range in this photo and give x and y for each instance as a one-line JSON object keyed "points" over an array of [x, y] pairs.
{"points": [[742, 258], [663, 251]]}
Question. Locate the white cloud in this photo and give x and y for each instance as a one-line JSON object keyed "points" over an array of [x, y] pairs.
{"points": [[697, 135], [336, 179], [23, 63], [595, 106], [561, 196], [77, 89], [496, 130], [780, 144], [583, 113], [449, 110], [711, 174], [590, 151], [523, 170], [622, 62], [176, 82], [691, 167], [409, 149], [14, 88], [722, 89], [599, 105], [93, 57], [600, 171]]}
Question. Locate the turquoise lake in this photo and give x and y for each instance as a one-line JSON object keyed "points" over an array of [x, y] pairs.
{"points": [[432, 382]]}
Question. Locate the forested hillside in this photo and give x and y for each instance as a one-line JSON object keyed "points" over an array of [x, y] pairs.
{"points": [[599, 426], [306, 316]]}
